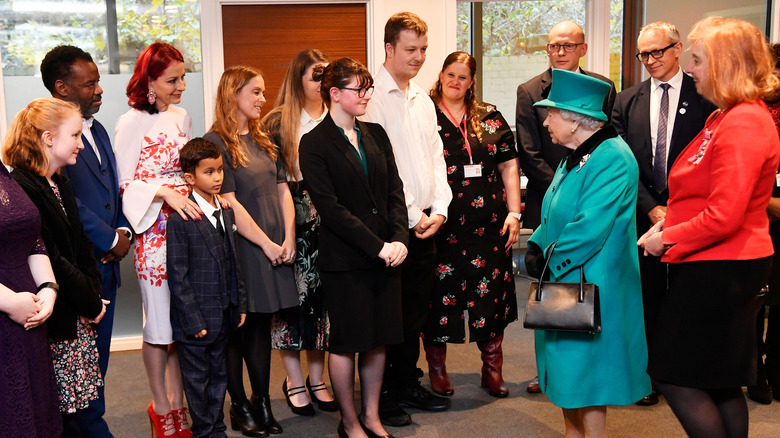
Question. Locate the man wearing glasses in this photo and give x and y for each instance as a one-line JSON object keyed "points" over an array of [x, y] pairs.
{"points": [[539, 156], [657, 118]]}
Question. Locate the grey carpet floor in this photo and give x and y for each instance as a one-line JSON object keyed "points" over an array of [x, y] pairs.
{"points": [[474, 412]]}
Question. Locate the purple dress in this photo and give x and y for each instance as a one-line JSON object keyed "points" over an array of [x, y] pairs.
{"points": [[28, 391]]}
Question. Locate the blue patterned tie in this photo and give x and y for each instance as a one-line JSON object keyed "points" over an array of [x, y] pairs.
{"points": [[659, 163]]}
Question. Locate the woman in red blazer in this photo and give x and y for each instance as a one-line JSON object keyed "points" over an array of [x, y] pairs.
{"points": [[715, 235]]}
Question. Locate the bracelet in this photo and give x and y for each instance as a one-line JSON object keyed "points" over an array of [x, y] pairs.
{"points": [[50, 285], [517, 216]]}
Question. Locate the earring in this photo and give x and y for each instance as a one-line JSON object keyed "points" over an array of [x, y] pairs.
{"points": [[573, 128], [151, 96]]}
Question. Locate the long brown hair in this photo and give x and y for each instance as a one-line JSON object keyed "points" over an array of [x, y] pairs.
{"points": [[473, 105], [225, 121], [284, 121], [22, 147]]}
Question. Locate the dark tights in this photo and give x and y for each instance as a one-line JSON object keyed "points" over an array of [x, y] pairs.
{"points": [[250, 343], [710, 413]]}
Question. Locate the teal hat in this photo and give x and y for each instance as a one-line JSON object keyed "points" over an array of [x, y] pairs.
{"points": [[577, 93]]}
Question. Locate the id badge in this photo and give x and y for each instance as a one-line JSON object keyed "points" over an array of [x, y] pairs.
{"points": [[472, 170]]}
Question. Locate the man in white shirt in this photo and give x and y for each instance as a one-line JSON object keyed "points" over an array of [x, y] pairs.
{"points": [[409, 117], [657, 118]]}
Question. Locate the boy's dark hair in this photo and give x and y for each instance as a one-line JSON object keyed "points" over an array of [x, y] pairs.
{"points": [[58, 62], [196, 150], [403, 21]]}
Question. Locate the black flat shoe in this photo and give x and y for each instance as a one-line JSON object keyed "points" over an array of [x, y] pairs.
{"points": [[243, 420], [649, 400], [306, 410], [263, 414], [328, 406]]}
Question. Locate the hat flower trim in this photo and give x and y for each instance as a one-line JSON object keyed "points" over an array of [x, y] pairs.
{"points": [[699, 155], [584, 160]]}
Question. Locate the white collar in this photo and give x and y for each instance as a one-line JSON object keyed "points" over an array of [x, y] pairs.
{"points": [[208, 209], [306, 118]]}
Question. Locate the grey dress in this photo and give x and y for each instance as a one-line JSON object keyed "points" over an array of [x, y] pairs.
{"points": [[269, 288]]}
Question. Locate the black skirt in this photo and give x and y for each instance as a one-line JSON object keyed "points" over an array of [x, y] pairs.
{"points": [[706, 328], [364, 308]]}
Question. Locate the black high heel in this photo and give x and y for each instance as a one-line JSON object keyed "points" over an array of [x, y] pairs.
{"points": [[342, 431], [371, 433], [262, 410], [242, 418], [307, 410], [328, 406]]}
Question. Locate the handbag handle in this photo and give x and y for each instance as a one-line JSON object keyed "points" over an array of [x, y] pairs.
{"points": [[580, 297]]}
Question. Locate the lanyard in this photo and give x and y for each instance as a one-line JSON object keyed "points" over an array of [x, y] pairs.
{"points": [[462, 130]]}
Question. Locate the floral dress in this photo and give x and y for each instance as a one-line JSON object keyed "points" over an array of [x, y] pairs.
{"points": [[147, 154], [474, 271]]}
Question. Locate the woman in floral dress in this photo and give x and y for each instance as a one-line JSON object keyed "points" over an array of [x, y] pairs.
{"points": [[45, 137], [147, 143], [474, 271], [299, 108]]}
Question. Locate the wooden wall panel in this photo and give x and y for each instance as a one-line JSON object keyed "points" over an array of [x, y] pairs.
{"points": [[267, 37]]}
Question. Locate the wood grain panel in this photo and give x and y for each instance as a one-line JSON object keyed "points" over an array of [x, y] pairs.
{"points": [[267, 37]]}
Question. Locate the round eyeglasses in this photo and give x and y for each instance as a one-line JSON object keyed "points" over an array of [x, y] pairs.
{"points": [[656, 54], [361, 92]]}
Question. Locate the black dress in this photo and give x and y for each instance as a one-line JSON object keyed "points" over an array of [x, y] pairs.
{"points": [[29, 405], [474, 271]]}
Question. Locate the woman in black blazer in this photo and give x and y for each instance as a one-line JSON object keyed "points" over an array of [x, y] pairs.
{"points": [[47, 136], [349, 170]]}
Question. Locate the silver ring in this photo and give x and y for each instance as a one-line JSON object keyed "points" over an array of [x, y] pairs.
{"points": [[184, 208]]}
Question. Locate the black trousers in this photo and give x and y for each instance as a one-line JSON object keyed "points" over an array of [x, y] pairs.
{"points": [[204, 373], [417, 273]]}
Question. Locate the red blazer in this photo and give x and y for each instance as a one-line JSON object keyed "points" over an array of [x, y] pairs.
{"points": [[720, 186]]}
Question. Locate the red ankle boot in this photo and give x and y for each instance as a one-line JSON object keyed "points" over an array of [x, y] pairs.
{"points": [[492, 361], [436, 355]]}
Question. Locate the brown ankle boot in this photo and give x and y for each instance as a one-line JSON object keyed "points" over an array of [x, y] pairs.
{"points": [[436, 355], [492, 361]]}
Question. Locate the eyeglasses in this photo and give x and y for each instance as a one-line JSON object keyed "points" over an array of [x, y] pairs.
{"points": [[567, 47], [656, 54], [361, 92]]}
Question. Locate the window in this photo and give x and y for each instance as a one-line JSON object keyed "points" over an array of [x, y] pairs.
{"points": [[508, 38], [30, 28]]}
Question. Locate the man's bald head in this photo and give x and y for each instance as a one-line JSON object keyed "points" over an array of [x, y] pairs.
{"points": [[566, 34]]}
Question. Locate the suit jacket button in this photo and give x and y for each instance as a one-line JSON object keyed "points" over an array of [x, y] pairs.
{"points": [[108, 206], [545, 220], [558, 268], [563, 264], [568, 261], [375, 211], [104, 172]]}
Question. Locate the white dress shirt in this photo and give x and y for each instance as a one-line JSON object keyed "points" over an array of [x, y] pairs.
{"points": [[410, 122], [307, 124], [208, 209], [675, 85]]}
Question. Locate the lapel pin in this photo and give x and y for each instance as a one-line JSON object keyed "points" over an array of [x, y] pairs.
{"points": [[682, 110], [685, 103]]}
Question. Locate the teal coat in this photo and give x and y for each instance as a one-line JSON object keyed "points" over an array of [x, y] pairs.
{"points": [[590, 210]]}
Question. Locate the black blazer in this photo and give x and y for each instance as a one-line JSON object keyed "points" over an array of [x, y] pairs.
{"points": [[203, 283], [70, 252], [538, 155], [359, 214], [631, 118]]}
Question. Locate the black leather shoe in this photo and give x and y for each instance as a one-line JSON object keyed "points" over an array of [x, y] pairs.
{"points": [[242, 419], [263, 414], [417, 397], [649, 400], [390, 413], [306, 410], [370, 432], [328, 406]]}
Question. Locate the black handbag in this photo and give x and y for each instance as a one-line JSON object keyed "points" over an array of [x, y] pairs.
{"points": [[563, 306]]}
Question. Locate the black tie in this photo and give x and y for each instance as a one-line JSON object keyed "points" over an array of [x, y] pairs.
{"points": [[659, 163], [220, 228]]}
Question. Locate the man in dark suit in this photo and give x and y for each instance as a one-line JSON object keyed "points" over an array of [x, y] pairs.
{"points": [[207, 295], [70, 74], [539, 156], [657, 118]]}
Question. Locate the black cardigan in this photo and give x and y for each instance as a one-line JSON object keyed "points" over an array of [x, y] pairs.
{"points": [[70, 252]]}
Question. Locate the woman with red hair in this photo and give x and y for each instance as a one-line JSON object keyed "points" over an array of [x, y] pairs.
{"points": [[148, 140]]}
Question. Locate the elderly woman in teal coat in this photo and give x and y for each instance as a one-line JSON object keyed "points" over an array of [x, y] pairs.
{"points": [[590, 211]]}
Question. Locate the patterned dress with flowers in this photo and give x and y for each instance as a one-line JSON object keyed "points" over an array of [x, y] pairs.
{"points": [[147, 155], [474, 271]]}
